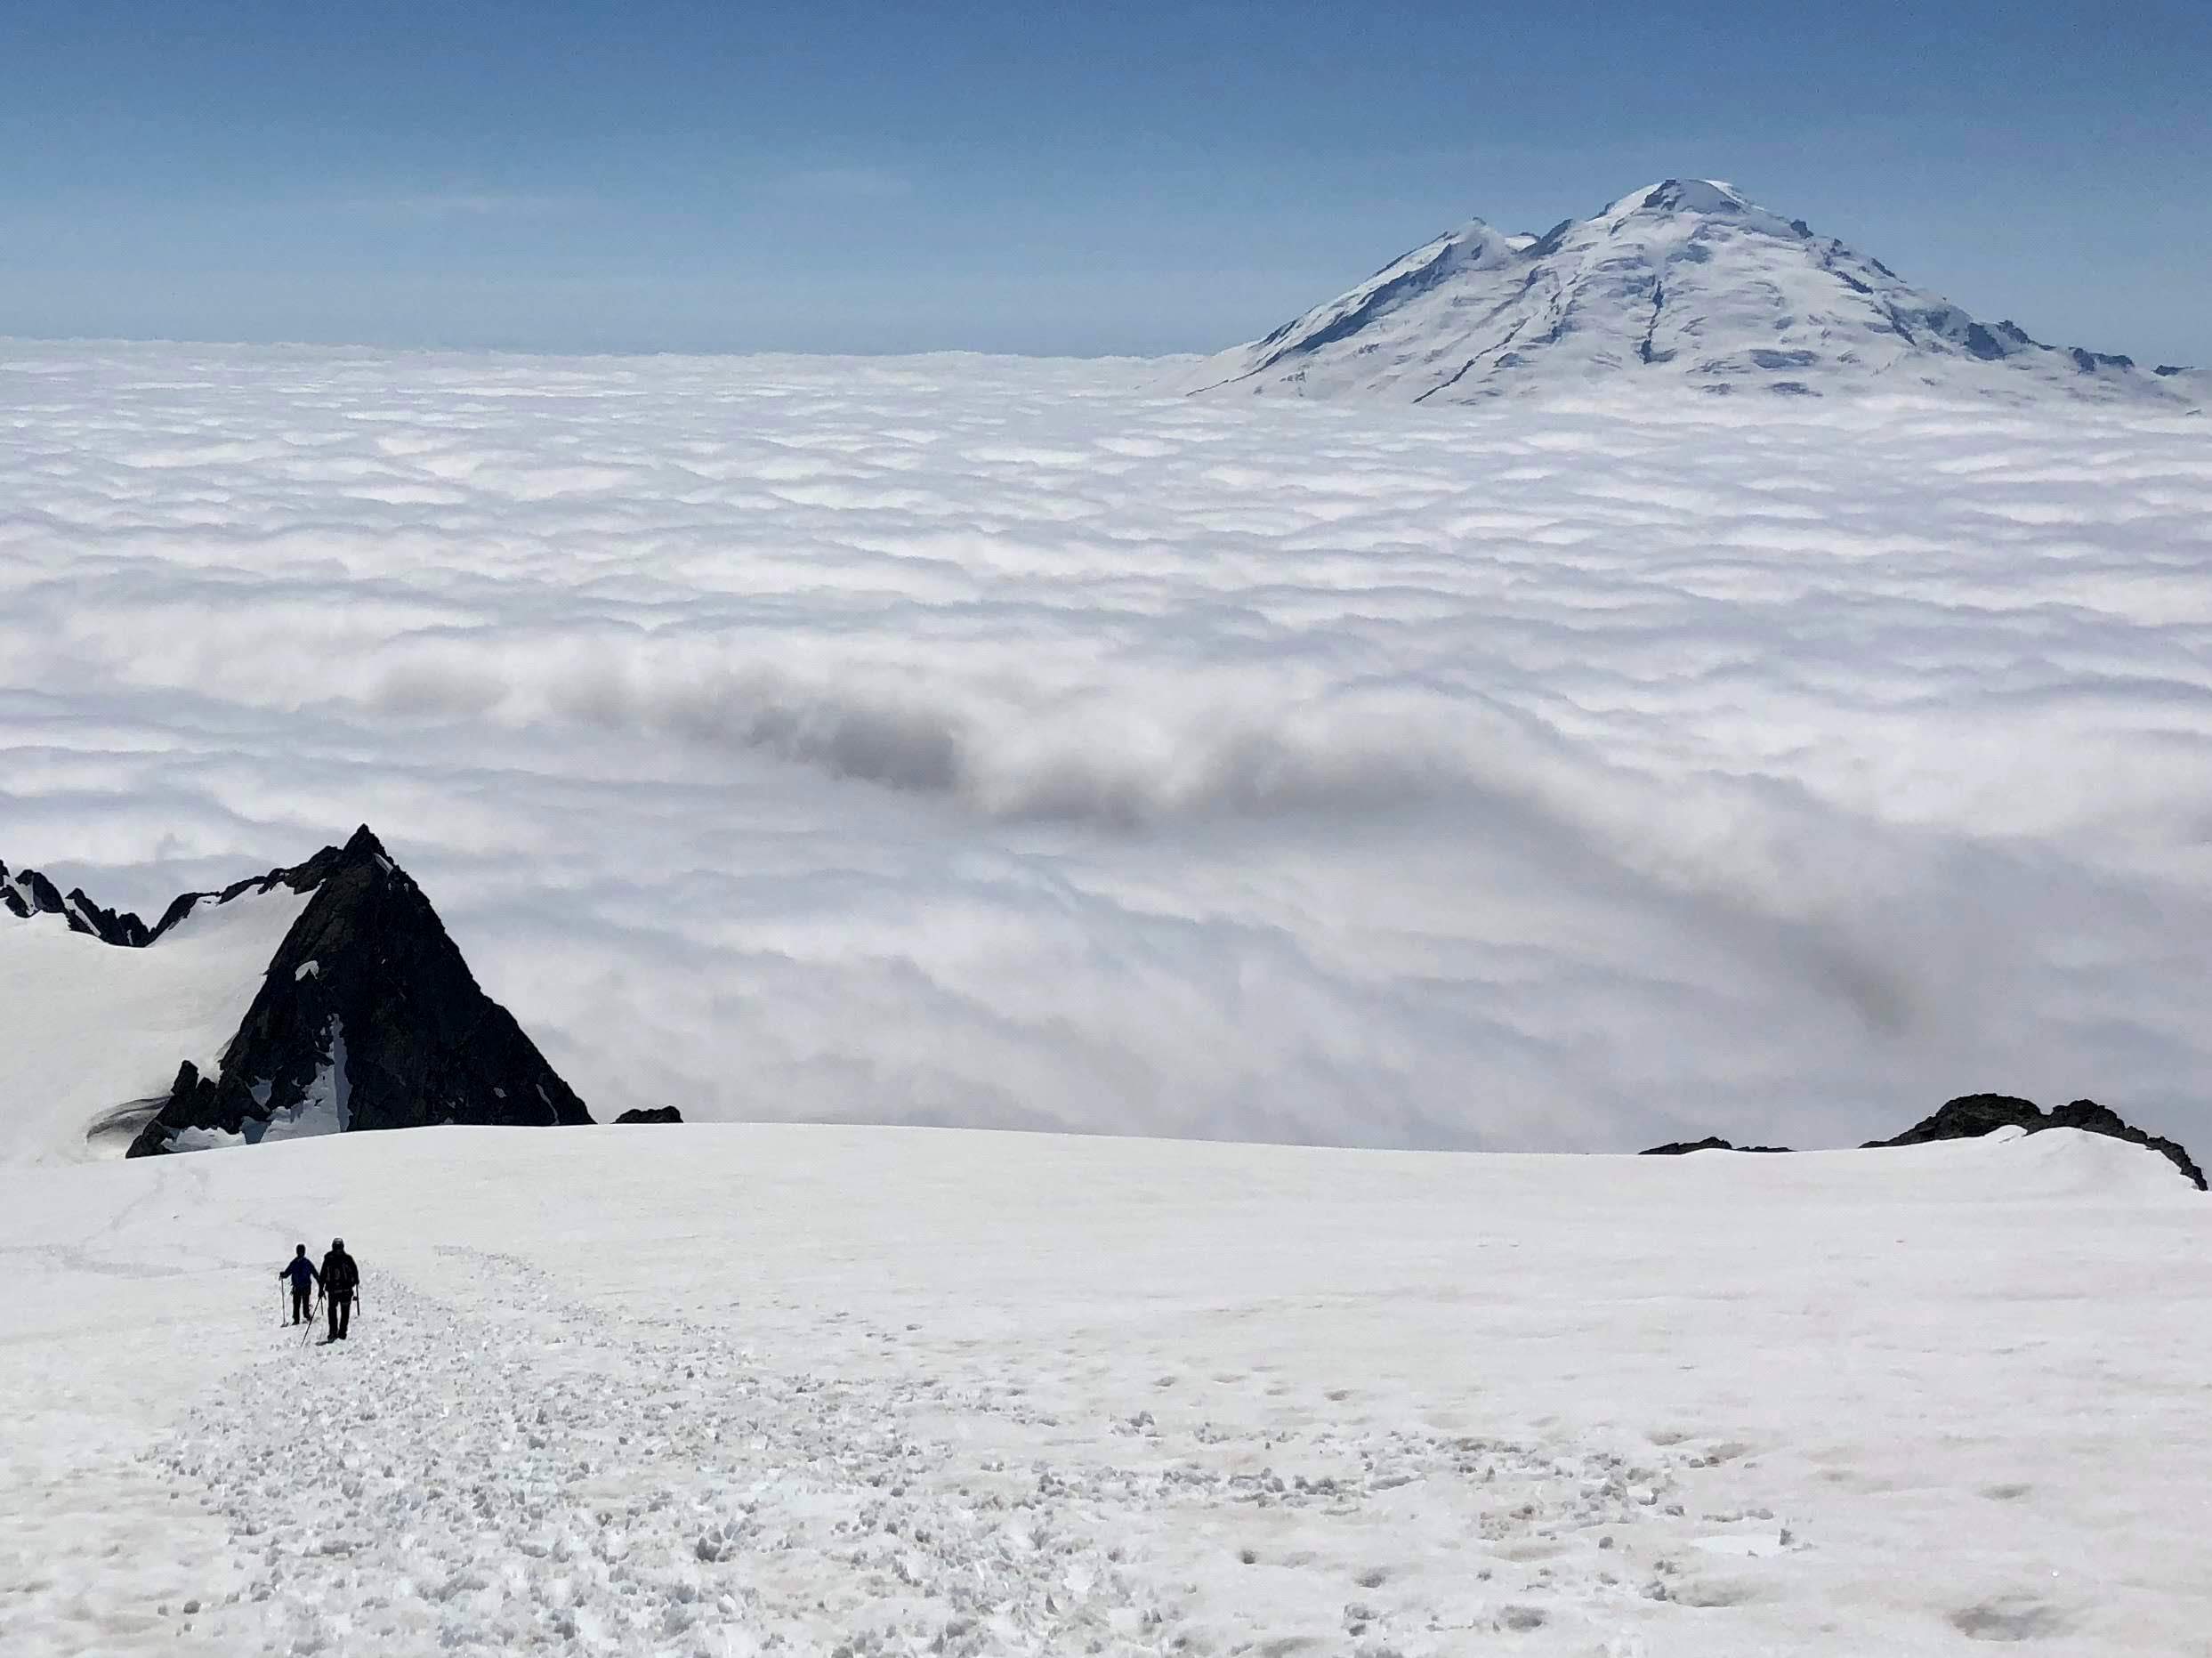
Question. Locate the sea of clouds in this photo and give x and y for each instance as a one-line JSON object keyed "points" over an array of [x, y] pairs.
{"points": [[998, 742]]}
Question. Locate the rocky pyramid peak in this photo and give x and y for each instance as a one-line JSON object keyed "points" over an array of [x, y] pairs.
{"points": [[367, 1018]]}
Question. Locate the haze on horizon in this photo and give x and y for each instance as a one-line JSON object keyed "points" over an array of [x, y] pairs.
{"points": [[860, 177]]}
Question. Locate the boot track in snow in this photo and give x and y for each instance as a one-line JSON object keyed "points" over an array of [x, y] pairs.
{"points": [[526, 1473]]}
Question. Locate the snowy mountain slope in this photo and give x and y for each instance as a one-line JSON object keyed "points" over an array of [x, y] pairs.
{"points": [[309, 1000], [674, 1391], [1685, 282], [91, 1034]]}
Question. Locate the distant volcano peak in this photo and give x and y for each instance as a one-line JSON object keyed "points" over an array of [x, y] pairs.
{"points": [[1686, 282]]}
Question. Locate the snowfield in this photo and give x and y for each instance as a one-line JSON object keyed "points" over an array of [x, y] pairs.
{"points": [[998, 743], [750, 1389]]}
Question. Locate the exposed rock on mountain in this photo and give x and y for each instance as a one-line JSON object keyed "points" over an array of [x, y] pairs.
{"points": [[1969, 1117], [657, 1113], [314, 999], [367, 1018], [1972, 1115], [1685, 281], [27, 894]]}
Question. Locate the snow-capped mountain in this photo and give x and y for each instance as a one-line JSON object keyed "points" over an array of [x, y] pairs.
{"points": [[315, 999], [1684, 281]]}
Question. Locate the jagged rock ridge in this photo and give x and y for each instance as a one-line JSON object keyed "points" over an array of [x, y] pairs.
{"points": [[1686, 280], [26, 893]]}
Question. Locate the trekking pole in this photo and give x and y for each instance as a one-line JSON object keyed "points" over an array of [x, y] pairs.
{"points": [[308, 1334]]}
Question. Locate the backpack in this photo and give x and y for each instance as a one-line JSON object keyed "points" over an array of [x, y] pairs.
{"points": [[341, 1277]]}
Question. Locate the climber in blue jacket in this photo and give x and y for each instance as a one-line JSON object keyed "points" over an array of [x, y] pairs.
{"points": [[302, 1272]]}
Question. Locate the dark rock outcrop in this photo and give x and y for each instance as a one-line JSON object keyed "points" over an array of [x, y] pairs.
{"points": [[2096, 1119], [1677, 1148], [367, 1018], [1972, 1115], [27, 892], [1969, 1117], [301, 877], [110, 926], [658, 1113]]}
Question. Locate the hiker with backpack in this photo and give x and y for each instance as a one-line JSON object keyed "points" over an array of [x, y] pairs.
{"points": [[302, 1272], [341, 1282]]}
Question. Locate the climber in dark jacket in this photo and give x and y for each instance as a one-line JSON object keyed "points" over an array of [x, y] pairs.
{"points": [[301, 1271], [341, 1282]]}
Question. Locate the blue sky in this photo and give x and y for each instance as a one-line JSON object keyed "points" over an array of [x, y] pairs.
{"points": [[1117, 178]]}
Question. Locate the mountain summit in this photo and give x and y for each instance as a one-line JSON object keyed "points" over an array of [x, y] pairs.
{"points": [[367, 1018], [322, 998], [1685, 280]]}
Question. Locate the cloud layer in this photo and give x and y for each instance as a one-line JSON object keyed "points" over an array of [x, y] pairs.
{"points": [[973, 740]]}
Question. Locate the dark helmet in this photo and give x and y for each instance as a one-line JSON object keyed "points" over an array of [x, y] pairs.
{"points": [[337, 1243], [301, 1249]]}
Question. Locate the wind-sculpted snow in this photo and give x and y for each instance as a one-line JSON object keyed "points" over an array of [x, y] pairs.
{"points": [[986, 742]]}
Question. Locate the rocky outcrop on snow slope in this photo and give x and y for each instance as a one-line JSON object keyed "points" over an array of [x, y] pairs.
{"points": [[26, 893], [1973, 1115], [1711, 1142], [653, 1113], [367, 1018], [1685, 281]]}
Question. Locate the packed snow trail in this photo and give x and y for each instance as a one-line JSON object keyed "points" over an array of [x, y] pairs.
{"points": [[789, 1390], [521, 1472]]}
